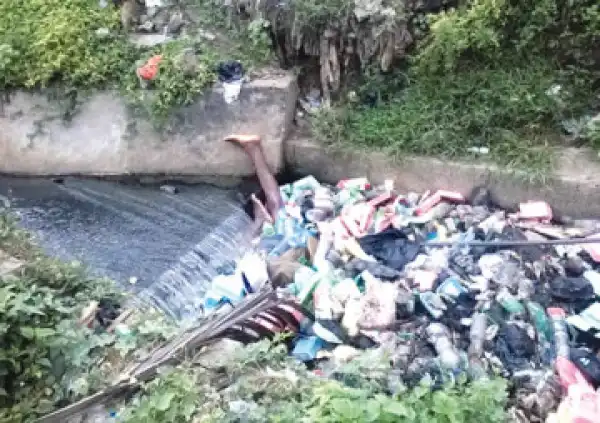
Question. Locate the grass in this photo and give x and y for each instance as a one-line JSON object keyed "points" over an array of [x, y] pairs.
{"points": [[263, 384], [507, 110], [59, 44]]}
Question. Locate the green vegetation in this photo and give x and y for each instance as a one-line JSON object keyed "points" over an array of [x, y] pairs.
{"points": [[48, 358], [48, 41], [487, 74], [265, 385], [184, 72], [507, 110], [77, 46]]}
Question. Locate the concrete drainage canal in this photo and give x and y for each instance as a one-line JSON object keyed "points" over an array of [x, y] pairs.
{"points": [[165, 247]]}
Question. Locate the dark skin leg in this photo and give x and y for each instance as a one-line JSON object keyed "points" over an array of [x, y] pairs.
{"points": [[252, 147]]}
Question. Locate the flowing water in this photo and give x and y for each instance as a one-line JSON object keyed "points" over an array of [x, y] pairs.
{"points": [[170, 245]]}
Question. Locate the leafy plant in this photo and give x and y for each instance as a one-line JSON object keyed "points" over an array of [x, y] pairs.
{"points": [[171, 398], [43, 350], [268, 387], [260, 41], [47, 358], [455, 33], [58, 41], [183, 73], [489, 32]]}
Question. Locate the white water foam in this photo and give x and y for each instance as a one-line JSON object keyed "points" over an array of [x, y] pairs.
{"points": [[179, 291]]}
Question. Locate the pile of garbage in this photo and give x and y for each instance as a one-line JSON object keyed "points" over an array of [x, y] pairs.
{"points": [[446, 286]]}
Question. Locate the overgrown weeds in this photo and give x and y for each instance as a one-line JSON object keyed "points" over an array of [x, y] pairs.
{"points": [[57, 41], [507, 110], [47, 358], [503, 75], [185, 71], [263, 384], [80, 47]]}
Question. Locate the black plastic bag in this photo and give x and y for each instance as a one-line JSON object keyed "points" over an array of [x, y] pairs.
{"points": [[230, 71], [571, 289], [356, 266], [514, 347], [391, 247]]}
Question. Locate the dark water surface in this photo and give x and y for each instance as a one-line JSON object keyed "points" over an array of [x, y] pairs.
{"points": [[122, 230]]}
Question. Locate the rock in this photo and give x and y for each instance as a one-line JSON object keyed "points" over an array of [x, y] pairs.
{"points": [[188, 61], [175, 23], [103, 32], [9, 264], [170, 189], [161, 19], [130, 11], [151, 11], [148, 40], [105, 138], [146, 26], [155, 4], [206, 34]]}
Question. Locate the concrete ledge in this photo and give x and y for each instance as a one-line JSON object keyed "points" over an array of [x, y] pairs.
{"points": [[106, 138], [574, 190]]}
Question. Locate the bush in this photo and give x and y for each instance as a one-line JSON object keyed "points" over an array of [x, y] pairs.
{"points": [[46, 357], [45, 41], [265, 385], [179, 81], [478, 402], [171, 398], [503, 109], [488, 32]]}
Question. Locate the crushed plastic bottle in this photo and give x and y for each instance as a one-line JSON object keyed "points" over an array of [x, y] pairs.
{"points": [[439, 337], [561, 335]]}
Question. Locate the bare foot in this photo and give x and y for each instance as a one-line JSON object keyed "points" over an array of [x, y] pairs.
{"points": [[243, 139]]}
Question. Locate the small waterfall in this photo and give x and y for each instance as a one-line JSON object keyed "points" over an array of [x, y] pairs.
{"points": [[171, 246], [179, 291]]}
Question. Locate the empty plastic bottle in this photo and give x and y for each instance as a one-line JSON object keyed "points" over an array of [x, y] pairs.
{"points": [[561, 336], [439, 336], [477, 334]]}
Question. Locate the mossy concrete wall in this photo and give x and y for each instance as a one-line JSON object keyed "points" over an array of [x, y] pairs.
{"points": [[104, 137]]}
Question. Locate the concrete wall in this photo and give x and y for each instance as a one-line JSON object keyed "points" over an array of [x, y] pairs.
{"points": [[105, 138]]}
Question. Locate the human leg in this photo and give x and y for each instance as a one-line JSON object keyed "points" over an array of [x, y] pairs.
{"points": [[252, 146]]}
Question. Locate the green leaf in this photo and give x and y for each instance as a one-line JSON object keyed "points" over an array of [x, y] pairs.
{"points": [[398, 409], [164, 401], [44, 332], [45, 362], [28, 332]]}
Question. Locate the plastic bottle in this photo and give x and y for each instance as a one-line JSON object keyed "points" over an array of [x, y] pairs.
{"points": [[543, 329], [320, 258], [561, 336], [356, 183], [440, 338], [477, 337], [323, 200], [477, 334]]}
